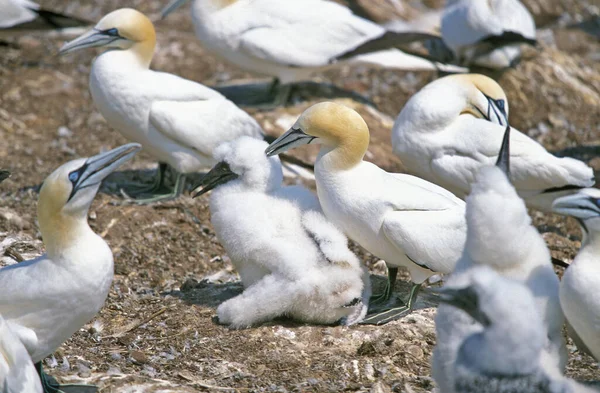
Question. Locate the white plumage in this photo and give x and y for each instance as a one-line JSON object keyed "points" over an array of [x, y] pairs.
{"points": [[17, 374], [452, 128], [400, 218], [290, 39], [580, 285], [466, 22], [292, 261], [15, 12], [178, 121], [502, 353], [500, 235], [47, 299]]}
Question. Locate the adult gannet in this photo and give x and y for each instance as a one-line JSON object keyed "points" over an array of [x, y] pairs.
{"points": [[500, 235], [452, 128], [487, 33], [502, 354], [177, 121], [292, 261], [290, 40], [27, 15], [47, 299], [580, 284], [400, 218]]}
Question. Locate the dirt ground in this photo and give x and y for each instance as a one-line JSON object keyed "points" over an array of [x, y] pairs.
{"points": [[156, 332]]}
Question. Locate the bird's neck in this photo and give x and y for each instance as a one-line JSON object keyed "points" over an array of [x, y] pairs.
{"points": [[138, 57], [590, 241], [62, 232], [348, 152]]}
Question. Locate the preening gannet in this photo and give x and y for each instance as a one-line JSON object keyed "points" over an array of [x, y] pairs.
{"points": [[487, 33], [17, 374], [27, 15], [178, 121], [47, 299], [452, 128], [580, 285], [502, 353], [400, 218], [501, 236], [290, 39], [292, 261]]}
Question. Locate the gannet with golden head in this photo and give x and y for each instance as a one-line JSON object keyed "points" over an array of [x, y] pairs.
{"points": [[293, 262], [500, 235], [580, 285], [177, 121], [47, 299], [487, 33], [400, 218], [452, 128], [290, 40]]}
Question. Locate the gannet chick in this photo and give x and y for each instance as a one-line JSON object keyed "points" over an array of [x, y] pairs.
{"points": [[17, 374], [401, 219], [579, 286], [290, 40], [27, 15], [47, 299], [177, 121], [503, 354], [487, 33], [452, 128], [292, 261], [500, 235]]}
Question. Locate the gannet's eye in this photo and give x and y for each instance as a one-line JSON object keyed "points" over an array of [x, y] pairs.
{"points": [[112, 32], [74, 176]]}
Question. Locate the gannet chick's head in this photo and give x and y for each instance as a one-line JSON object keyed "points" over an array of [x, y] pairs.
{"points": [[583, 206], [338, 128], [68, 192], [445, 99], [242, 162], [124, 29]]}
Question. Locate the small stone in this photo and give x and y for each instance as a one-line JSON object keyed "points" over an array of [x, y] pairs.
{"points": [[415, 351], [64, 132], [138, 357]]}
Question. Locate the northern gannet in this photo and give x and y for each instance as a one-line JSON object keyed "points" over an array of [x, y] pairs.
{"points": [[292, 261], [177, 121], [502, 354], [452, 128], [401, 219], [27, 15], [501, 236], [487, 33], [580, 285], [290, 39], [47, 299], [17, 374]]}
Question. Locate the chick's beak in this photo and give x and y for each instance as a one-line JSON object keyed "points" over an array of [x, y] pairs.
{"points": [[465, 299], [294, 137], [219, 174]]}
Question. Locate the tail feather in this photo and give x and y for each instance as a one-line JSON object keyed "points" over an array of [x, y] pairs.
{"points": [[390, 39]]}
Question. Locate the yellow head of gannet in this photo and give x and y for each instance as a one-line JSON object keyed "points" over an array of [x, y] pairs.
{"points": [[485, 99], [125, 29], [333, 125], [68, 192]]}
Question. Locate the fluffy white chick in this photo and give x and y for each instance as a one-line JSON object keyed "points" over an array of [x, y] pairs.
{"points": [[500, 235], [291, 260]]}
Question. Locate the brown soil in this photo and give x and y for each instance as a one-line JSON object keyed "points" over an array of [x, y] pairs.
{"points": [[156, 331]]}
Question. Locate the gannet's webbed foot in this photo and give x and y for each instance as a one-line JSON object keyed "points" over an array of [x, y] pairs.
{"points": [[51, 385], [157, 185], [174, 194], [383, 298], [380, 318]]}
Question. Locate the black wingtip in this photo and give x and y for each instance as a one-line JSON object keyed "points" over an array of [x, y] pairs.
{"points": [[503, 161], [388, 40], [4, 175], [509, 38]]}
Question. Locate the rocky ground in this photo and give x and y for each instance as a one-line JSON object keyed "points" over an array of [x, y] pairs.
{"points": [[156, 332]]}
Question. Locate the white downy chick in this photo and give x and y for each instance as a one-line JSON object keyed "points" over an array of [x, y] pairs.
{"points": [[291, 260]]}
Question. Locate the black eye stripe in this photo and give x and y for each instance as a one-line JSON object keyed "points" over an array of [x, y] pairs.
{"points": [[74, 176]]}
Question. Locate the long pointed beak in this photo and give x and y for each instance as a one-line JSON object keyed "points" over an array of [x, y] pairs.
{"points": [[4, 175], [90, 39], [503, 161], [465, 299], [294, 137], [577, 205], [219, 174], [98, 167], [172, 6]]}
